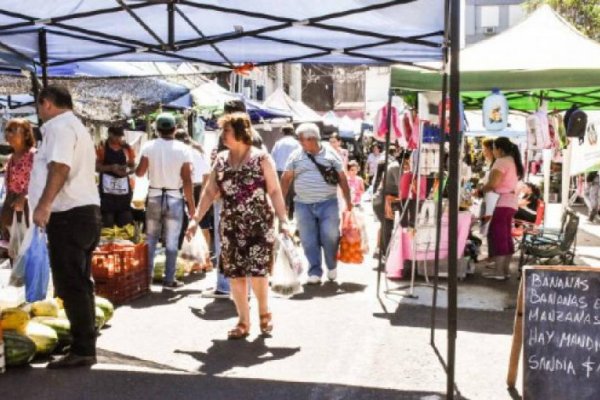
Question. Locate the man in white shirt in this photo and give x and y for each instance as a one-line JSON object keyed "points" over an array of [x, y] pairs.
{"points": [[200, 174], [280, 153], [66, 202], [168, 163]]}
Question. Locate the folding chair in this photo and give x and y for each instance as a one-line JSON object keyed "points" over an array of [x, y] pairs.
{"points": [[550, 249]]}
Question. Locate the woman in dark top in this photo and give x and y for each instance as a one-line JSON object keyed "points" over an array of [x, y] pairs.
{"points": [[115, 161], [528, 203]]}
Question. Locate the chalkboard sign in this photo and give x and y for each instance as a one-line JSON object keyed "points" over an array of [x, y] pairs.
{"points": [[561, 333]]}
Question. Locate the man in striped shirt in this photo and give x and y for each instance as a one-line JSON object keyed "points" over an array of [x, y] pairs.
{"points": [[316, 202]]}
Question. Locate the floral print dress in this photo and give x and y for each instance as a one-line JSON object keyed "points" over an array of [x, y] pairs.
{"points": [[246, 229]]}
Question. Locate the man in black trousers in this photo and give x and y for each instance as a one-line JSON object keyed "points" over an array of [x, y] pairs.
{"points": [[65, 200]]}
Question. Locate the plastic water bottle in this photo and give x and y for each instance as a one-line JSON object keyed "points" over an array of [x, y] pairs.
{"points": [[495, 111]]}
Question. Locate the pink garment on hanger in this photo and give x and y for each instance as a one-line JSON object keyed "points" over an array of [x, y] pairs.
{"points": [[410, 128], [394, 264], [380, 124], [405, 183]]}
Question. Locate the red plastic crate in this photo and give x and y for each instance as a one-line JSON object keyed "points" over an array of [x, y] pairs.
{"points": [[121, 272]]}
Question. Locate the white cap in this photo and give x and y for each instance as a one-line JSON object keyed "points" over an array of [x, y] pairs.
{"points": [[308, 130]]}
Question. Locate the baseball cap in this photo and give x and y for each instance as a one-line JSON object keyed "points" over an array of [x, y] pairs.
{"points": [[165, 121]]}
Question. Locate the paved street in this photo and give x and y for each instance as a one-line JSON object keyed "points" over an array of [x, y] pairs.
{"points": [[336, 341]]}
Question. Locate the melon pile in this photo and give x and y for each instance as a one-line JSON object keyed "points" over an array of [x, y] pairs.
{"points": [[39, 329]]}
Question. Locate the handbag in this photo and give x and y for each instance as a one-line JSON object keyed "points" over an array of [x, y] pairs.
{"points": [[329, 174]]}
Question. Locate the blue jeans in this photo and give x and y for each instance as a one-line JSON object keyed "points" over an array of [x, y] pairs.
{"points": [[222, 281], [164, 214], [319, 227]]}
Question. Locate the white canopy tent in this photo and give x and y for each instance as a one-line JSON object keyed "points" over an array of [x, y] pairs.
{"points": [[234, 32], [279, 100]]}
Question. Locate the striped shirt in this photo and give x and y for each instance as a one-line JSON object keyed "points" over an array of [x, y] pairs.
{"points": [[309, 185]]}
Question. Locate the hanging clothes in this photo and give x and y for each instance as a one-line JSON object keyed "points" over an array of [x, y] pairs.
{"points": [[410, 129], [380, 124]]}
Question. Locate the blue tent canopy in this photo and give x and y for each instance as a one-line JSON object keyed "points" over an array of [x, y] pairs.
{"points": [[221, 32]]}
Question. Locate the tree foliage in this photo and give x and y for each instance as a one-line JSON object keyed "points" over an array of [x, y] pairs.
{"points": [[583, 14]]}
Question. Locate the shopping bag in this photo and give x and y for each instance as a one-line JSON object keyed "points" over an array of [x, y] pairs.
{"points": [[17, 276], [17, 233], [37, 267], [296, 258], [359, 220], [284, 280], [196, 250], [350, 250], [394, 260]]}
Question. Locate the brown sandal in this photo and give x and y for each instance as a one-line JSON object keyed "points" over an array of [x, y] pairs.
{"points": [[266, 326], [240, 331]]}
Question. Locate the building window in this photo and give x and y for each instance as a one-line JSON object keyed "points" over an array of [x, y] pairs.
{"points": [[489, 16]]}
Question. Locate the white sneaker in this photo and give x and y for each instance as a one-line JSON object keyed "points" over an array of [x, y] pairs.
{"points": [[314, 280], [332, 274]]}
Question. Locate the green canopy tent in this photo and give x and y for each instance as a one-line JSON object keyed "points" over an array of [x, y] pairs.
{"points": [[541, 57]]}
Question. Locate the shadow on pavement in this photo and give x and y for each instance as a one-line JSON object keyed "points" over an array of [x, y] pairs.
{"points": [[469, 320], [224, 355], [163, 297], [218, 309], [101, 383], [329, 289]]}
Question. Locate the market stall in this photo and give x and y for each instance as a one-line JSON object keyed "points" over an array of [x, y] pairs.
{"points": [[270, 32]]}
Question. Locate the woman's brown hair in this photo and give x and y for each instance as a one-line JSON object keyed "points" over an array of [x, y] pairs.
{"points": [[25, 127], [488, 143], [240, 123]]}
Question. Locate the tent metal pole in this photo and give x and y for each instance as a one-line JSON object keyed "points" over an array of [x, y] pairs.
{"points": [[202, 35], [384, 177], [287, 22], [455, 140], [91, 58], [442, 150], [348, 51], [90, 39], [16, 53], [408, 39], [43, 49], [141, 22], [93, 34], [171, 22]]}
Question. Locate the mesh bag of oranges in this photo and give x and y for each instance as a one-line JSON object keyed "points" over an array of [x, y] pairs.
{"points": [[351, 246]]}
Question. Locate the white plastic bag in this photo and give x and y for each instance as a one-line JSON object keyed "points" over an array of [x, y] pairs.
{"points": [[196, 248], [359, 220], [17, 233], [296, 258], [489, 205], [17, 276], [284, 281]]}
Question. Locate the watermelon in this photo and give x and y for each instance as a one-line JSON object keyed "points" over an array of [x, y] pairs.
{"points": [[100, 320], [45, 308], [18, 349], [106, 306], [61, 326], [44, 337], [14, 319]]}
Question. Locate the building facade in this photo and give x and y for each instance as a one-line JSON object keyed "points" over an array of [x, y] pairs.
{"points": [[486, 18]]}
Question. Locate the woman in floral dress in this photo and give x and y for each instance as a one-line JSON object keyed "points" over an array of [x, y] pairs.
{"points": [[19, 135], [244, 177]]}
